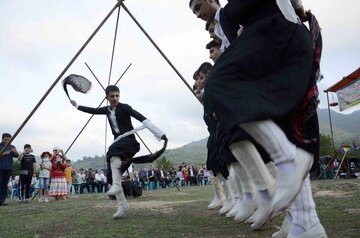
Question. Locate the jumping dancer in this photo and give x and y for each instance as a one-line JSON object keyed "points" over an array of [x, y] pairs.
{"points": [[119, 116]]}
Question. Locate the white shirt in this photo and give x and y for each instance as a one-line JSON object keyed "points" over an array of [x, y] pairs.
{"points": [[45, 171], [112, 118], [219, 32], [99, 177], [287, 9]]}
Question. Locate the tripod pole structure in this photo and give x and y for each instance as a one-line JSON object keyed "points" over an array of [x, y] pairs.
{"points": [[58, 78]]}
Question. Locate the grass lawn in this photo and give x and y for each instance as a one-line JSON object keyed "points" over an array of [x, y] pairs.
{"points": [[168, 213]]}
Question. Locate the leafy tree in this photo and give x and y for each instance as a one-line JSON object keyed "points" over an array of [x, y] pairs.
{"points": [[326, 147], [167, 164], [16, 168]]}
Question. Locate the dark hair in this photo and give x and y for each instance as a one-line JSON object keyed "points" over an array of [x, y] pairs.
{"points": [[216, 1], [5, 135], [111, 88], [27, 146], [204, 68], [212, 44]]}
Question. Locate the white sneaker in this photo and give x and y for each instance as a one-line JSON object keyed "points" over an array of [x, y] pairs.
{"points": [[41, 199], [245, 211], [261, 215], [235, 208], [215, 203], [284, 230], [122, 208], [315, 231], [115, 189], [226, 207], [289, 185], [46, 200]]}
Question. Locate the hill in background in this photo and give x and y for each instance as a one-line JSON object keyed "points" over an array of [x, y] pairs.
{"points": [[346, 128]]}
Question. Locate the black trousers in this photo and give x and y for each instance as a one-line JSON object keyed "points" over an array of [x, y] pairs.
{"points": [[4, 179], [25, 186]]}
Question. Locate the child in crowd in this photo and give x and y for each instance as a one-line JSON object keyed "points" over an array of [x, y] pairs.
{"points": [[69, 173], [44, 176], [58, 188]]}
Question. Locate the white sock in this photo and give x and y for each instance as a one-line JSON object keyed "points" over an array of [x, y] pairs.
{"points": [[272, 139]]}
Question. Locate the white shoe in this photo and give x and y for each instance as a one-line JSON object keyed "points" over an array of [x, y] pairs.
{"points": [[115, 189], [122, 208], [251, 219], [284, 230], [235, 208], [315, 231], [261, 215], [226, 207], [245, 211], [41, 199], [215, 203], [46, 200], [289, 185]]}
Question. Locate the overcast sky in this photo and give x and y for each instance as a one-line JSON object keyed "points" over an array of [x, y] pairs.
{"points": [[38, 38]]}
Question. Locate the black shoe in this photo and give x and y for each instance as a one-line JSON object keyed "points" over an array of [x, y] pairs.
{"points": [[3, 204]]}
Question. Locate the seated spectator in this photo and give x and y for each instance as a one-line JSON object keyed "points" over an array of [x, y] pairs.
{"points": [[90, 180], [143, 177], [130, 188], [9, 186], [34, 184], [163, 177], [152, 176], [16, 186], [100, 180]]}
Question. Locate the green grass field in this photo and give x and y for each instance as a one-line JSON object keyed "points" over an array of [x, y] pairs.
{"points": [[168, 213]]}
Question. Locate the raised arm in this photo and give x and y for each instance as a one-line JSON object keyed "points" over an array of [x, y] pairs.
{"points": [[91, 110]]}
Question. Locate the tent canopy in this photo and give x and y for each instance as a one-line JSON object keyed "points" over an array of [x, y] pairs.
{"points": [[345, 81]]}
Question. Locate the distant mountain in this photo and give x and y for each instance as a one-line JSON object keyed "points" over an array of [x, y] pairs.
{"points": [[346, 128]]}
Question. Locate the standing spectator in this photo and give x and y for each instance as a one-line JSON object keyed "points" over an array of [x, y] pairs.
{"points": [[100, 180], [6, 162], [44, 176], [185, 172], [80, 180], [143, 177], [69, 172], [58, 187], [27, 170], [90, 180]]}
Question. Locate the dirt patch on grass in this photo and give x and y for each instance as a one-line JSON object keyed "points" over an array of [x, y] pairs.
{"points": [[333, 193], [165, 207]]}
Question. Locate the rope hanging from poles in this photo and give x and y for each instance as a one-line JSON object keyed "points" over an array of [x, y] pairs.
{"points": [[157, 47]]}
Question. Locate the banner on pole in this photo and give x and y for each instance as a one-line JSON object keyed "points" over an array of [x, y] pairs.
{"points": [[349, 96]]}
